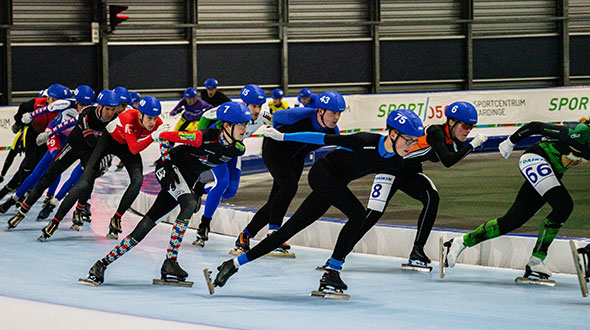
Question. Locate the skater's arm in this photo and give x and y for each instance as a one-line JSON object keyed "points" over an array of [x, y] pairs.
{"points": [[193, 138], [291, 116], [137, 145], [207, 118], [436, 140], [536, 127], [178, 108], [352, 141], [62, 126]]}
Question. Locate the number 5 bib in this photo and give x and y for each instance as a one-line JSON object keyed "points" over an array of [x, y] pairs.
{"points": [[380, 191], [538, 172]]}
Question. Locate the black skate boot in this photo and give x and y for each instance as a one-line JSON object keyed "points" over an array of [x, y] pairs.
{"points": [[77, 220], [86, 214], [16, 219], [331, 286], [114, 227], [172, 274], [95, 275], [48, 230], [242, 244], [282, 250], [225, 271], [418, 260], [10, 202], [202, 236], [48, 205], [5, 191]]}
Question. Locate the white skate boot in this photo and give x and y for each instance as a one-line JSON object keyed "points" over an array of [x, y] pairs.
{"points": [[454, 248]]}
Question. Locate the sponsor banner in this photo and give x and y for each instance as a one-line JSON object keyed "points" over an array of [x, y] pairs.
{"points": [[496, 108]]}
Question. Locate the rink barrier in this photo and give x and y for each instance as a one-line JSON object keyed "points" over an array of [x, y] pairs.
{"points": [[508, 251]]}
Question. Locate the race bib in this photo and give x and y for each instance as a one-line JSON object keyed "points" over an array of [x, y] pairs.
{"points": [[538, 172], [380, 191]]}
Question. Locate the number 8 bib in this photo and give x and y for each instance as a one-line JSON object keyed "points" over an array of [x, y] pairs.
{"points": [[538, 172], [380, 191]]}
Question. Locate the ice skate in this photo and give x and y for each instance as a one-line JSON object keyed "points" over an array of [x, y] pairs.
{"points": [[282, 251], [331, 286], [95, 275], [581, 258], [48, 230], [418, 261], [242, 245], [48, 205], [114, 227], [172, 275], [16, 219], [536, 273], [202, 236], [86, 214], [4, 207], [451, 251], [77, 220], [225, 271]]}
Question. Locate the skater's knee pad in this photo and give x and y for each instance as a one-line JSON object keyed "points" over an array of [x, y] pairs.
{"points": [[143, 227]]}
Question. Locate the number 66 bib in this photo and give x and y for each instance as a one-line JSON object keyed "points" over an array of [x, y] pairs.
{"points": [[538, 172], [380, 191]]}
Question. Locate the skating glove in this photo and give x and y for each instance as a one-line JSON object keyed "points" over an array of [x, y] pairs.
{"points": [[27, 118], [15, 128], [506, 148], [170, 178], [478, 140], [273, 133], [162, 128], [42, 138]]}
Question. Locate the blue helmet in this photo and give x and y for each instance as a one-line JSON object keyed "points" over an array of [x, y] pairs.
{"points": [[277, 93], [253, 94], [211, 83], [42, 93], [190, 92], [84, 94], [150, 106], [406, 122], [462, 111], [332, 101], [59, 91], [122, 94], [304, 92], [135, 97], [108, 98], [234, 112]]}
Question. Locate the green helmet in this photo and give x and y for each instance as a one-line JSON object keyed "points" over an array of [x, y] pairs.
{"points": [[581, 134]]}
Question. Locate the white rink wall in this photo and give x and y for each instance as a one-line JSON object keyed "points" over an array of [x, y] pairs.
{"points": [[509, 251]]}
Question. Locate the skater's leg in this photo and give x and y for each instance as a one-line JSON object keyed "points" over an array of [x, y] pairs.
{"points": [[221, 175], [188, 204], [71, 182], [133, 165], [562, 206], [35, 176], [163, 204]]}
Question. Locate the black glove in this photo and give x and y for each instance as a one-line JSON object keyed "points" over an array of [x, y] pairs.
{"points": [[170, 178], [15, 128]]}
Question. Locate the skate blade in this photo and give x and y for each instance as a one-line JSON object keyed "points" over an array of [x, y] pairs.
{"points": [[210, 284], [330, 295], [236, 252], [281, 254], [526, 280], [42, 238], [88, 282], [198, 242], [184, 284], [579, 269], [322, 268], [442, 256], [112, 236], [422, 269]]}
